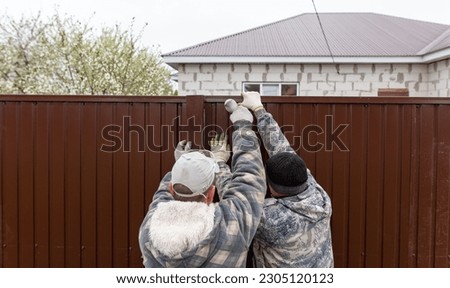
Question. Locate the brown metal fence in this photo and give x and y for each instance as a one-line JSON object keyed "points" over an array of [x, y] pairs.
{"points": [[78, 173]]}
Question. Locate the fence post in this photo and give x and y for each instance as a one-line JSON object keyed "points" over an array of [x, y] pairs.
{"points": [[195, 119]]}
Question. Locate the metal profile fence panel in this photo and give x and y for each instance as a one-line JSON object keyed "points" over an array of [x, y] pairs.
{"points": [[74, 187], [77, 173]]}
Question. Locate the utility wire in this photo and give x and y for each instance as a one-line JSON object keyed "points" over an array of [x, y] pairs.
{"points": [[325, 36]]}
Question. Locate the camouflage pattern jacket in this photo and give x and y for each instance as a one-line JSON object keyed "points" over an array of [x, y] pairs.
{"points": [[193, 234], [294, 231]]}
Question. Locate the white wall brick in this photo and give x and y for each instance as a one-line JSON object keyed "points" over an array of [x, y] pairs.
{"points": [[243, 68], [383, 68], [221, 92], [353, 77], [444, 74], [334, 77], [351, 93], [379, 85], [331, 69], [184, 77], [217, 86], [315, 93], [420, 68], [371, 78], [334, 93], [192, 92], [192, 85], [364, 68], [431, 68], [204, 76], [414, 93], [191, 68], [387, 77], [433, 76], [316, 77], [412, 77], [311, 68], [330, 86], [291, 77], [203, 92], [207, 68], [273, 77], [344, 86], [276, 68], [237, 76], [423, 87], [220, 77], [396, 85], [441, 65], [362, 86], [223, 68], [401, 68], [255, 77], [441, 84], [347, 68], [444, 93], [258, 68], [412, 86], [308, 86], [293, 68], [368, 94]]}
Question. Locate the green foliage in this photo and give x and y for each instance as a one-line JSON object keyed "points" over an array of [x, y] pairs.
{"points": [[64, 56]]}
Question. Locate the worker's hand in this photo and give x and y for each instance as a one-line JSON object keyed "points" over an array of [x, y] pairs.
{"points": [[252, 100], [220, 148], [183, 147], [241, 114]]}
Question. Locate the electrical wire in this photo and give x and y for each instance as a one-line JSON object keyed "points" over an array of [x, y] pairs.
{"points": [[326, 39]]}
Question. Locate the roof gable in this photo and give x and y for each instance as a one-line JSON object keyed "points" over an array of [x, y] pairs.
{"points": [[349, 35]]}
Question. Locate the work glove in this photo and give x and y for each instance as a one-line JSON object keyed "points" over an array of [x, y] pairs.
{"points": [[183, 147], [220, 148], [252, 100], [241, 114]]}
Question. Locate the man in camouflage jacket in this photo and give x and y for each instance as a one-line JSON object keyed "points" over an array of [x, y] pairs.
{"points": [[294, 230], [186, 233]]}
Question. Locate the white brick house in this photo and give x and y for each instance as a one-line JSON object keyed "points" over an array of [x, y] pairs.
{"points": [[370, 52]]}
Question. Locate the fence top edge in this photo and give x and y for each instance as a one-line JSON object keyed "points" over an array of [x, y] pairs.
{"points": [[339, 100], [89, 98], [221, 99]]}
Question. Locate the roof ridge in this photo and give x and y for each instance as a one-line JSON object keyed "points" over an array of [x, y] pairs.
{"points": [[428, 48]]}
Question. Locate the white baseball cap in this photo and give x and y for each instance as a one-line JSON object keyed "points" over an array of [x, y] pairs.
{"points": [[196, 170]]}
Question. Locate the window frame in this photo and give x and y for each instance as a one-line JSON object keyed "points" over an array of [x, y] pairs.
{"points": [[297, 84]]}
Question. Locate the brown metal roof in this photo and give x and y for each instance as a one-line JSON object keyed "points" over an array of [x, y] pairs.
{"points": [[349, 34]]}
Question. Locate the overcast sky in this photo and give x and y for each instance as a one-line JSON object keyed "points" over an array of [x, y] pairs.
{"points": [[176, 24]]}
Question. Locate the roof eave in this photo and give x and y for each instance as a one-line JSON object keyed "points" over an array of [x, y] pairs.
{"points": [[174, 61]]}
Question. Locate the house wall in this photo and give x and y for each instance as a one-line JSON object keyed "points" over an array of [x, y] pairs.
{"points": [[439, 78], [317, 79]]}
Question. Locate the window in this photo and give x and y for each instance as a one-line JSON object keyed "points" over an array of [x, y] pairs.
{"points": [[272, 89]]}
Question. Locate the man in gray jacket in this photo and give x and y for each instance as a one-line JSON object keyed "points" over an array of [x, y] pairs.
{"points": [[294, 230], [183, 228]]}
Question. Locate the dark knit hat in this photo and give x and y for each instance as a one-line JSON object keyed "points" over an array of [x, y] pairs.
{"points": [[286, 173]]}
